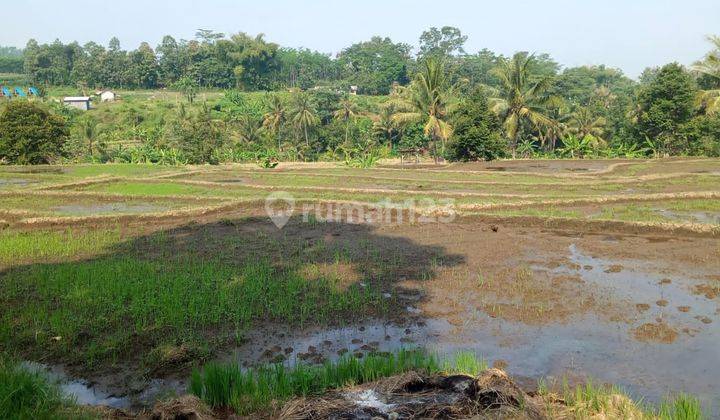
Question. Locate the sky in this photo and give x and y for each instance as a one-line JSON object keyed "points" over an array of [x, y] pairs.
{"points": [[629, 34]]}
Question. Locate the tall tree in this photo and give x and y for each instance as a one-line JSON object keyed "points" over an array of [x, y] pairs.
{"points": [[30, 134], [304, 115], [709, 68], [664, 105], [441, 43], [586, 125], [346, 113], [523, 96], [276, 116], [476, 131], [375, 65], [426, 100]]}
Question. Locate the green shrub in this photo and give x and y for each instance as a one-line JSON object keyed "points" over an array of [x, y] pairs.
{"points": [[29, 134]]}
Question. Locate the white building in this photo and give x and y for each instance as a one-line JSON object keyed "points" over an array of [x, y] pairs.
{"points": [[79, 102], [107, 96]]}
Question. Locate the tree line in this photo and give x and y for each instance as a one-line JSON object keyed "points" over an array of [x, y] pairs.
{"points": [[444, 101]]}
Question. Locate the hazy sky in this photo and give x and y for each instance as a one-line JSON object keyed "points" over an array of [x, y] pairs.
{"points": [[629, 34]]}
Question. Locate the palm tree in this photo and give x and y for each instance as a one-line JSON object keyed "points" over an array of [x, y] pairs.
{"points": [[88, 132], [427, 99], [303, 114], [710, 65], [709, 100], [557, 111], [250, 129], [522, 97], [384, 124], [584, 123], [275, 118], [346, 113]]}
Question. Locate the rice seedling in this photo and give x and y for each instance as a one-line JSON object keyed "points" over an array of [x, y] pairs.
{"points": [[682, 407], [95, 305], [250, 390], [43, 245]]}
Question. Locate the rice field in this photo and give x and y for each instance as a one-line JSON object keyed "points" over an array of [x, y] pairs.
{"points": [[171, 269]]}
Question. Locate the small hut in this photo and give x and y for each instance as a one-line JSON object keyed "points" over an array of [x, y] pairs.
{"points": [[79, 102]]}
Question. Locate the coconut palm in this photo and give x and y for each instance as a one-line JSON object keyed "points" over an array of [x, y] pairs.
{"points": [[250, 129], [345, 114], [710, 65], [709, 100], [89, 132], [522, 96], [303, 114], [427, 99], [275, 118], [384, 124], [584, 123]]}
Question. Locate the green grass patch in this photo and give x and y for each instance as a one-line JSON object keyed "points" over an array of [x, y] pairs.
{"points": [[118, 169], [30, 395], [114, 307], [48, 246], [252, 390], [166, 188]]}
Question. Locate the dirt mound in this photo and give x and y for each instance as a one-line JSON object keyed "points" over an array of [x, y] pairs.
{"points": [[414, 395], [658, 332], [188, 407]]}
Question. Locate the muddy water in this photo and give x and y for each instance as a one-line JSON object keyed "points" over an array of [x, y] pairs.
{"points": [[14, 182], [586, 346], [81, 391], [712, 218]]}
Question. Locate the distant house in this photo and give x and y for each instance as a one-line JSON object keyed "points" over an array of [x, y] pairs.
{"points": [[79, 102], [107, 96], [353, 90]]}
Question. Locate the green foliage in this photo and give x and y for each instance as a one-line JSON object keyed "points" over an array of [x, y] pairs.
{"points": [[575, 147], [375, 65], [188, 87], [665, 104], [476, 134], [30, 134]]}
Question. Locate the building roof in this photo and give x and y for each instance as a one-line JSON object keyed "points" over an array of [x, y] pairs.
{"points": [[76, 99]]}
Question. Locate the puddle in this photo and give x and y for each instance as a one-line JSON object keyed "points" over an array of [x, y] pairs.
{"points": [[107, 208], [711, 218], [93, 393], [13, 182], [82, 391]]}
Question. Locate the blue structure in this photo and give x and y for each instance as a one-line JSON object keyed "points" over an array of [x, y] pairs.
{"points": [[6, 92], [33, 91], [19, 92]]}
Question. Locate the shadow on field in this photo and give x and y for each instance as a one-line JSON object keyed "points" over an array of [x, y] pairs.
{"points": [[174, 296]]}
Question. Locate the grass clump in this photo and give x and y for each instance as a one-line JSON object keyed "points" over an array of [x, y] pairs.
{"points": [[609, 401], [682, 407], [252, 390], [29, 395]]}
